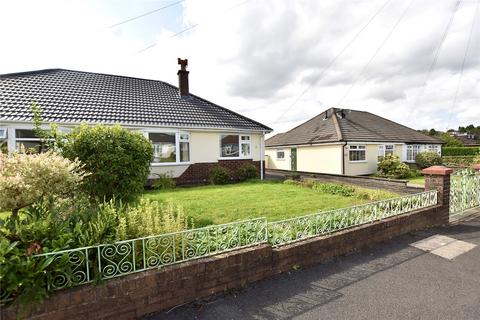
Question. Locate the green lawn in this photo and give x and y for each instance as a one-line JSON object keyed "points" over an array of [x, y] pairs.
{"points": [[273, 200], [417, 180]]}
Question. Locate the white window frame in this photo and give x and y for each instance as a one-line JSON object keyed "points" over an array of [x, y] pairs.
{"points": [[416, 149], [276, 154], [3, 133], [382, 149], [240, 142], [17, 140], [178, 139], [356, 148]]}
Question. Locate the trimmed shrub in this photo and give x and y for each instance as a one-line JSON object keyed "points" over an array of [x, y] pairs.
{"points": [[392, 167], [163, 181], [219, 175], [332, 188], [246, 172], [118, 160], [461, 151], [428, 159]]}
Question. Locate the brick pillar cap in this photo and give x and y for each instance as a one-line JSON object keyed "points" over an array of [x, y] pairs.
{"points": [[437, 171], [476, 167]]}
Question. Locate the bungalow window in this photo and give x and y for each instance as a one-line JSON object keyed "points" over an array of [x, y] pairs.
{"points": [[434, 148], [27, 141], [235, 146], [165, 146], [357, 153], [412, 151], [385, 150], [3, 140], [280, 155]]}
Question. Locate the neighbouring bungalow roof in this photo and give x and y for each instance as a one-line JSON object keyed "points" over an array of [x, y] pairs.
{"points": [[360, 126], [77, 96]]}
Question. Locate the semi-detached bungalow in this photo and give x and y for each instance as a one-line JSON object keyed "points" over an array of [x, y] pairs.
{"points": [[346, 142], [189, 134]]}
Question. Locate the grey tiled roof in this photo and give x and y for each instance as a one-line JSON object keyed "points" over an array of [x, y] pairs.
{"points": [[76, 96], [355, 126]]}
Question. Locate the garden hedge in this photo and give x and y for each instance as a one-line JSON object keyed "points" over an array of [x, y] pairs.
{"points": [[461, 151]]}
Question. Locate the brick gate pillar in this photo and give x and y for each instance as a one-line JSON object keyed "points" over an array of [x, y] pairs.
{"points": [[438, 178]]}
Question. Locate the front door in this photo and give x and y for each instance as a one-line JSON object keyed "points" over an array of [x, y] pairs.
{"points": [[293, 158]]}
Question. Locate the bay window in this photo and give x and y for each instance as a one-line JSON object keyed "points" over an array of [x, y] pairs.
{"points": [[357, 153], [170, 147], [235, 146]]}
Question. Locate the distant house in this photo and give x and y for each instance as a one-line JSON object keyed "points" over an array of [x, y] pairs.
{"points": [[346, 142], [468, 139], [189, 134]]}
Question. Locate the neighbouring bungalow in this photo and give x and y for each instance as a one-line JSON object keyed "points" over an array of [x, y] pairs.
{"points": [[346, 142], [468, 139], [190, 135]]}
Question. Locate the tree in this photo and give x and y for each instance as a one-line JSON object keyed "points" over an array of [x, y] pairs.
{"points": [[27, 178], [450, 141]]}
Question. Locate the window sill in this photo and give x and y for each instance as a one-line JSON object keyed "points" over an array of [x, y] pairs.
{"points": [[281, 159], [359, 161], [235, 158], [169, 164]]}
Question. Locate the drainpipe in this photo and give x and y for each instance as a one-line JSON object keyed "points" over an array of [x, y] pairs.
{"points": [[343, 158], [262, 156]]}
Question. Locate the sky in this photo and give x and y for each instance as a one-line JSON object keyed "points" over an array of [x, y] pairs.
{"points": [[280, 62]]}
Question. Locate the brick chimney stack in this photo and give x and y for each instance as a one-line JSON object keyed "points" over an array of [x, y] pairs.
{"points": [[183, 77]]}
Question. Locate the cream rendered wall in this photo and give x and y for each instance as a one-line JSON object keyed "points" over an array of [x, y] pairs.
{"points": [[321, 159], [370, 165], [271, 161], [205, 147]]}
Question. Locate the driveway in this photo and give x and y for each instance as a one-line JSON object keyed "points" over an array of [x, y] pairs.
{"points": [[437, 278]]}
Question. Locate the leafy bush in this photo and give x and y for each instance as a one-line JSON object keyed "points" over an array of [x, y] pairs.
{"points": [[246, 172], [461, 151], [428, 159], [392, 167], [292, 182], [163, 181], [332, 188], [219, 175], [450, 141], [118, 160], [25, 179]]}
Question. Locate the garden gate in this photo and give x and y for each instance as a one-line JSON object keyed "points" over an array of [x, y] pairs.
{"points": [[464, 191]]}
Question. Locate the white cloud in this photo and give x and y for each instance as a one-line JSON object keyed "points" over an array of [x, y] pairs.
{"points": [[256, 57]]}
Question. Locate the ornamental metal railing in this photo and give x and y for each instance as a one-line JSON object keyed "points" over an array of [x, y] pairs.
{"points": [[464, 190], [300, 228], [79, 266], [83, 265]]}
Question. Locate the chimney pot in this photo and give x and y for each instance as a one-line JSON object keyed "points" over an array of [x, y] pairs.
{"points": [[183, 77]]}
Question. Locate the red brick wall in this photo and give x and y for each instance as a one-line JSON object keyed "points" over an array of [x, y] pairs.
{"points": [[197, 173], [135, 295]]}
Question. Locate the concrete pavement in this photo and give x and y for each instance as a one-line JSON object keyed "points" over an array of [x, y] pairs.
{"points": [[392, 280]]}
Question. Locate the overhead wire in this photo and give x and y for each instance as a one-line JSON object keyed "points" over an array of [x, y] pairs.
{"points": [[467, 49], [435, 58], [146, 14], [332, 62], [379, 48], [193, 26]]}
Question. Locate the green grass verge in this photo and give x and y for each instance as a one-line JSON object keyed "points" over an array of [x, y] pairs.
{"points": [[273, 200], [417, 180]]}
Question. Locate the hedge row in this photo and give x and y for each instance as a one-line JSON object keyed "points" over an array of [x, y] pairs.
{"points": [[462, 161], [461, 151]]}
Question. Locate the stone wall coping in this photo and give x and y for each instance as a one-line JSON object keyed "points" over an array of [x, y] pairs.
{"points": [[437, 171]]}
